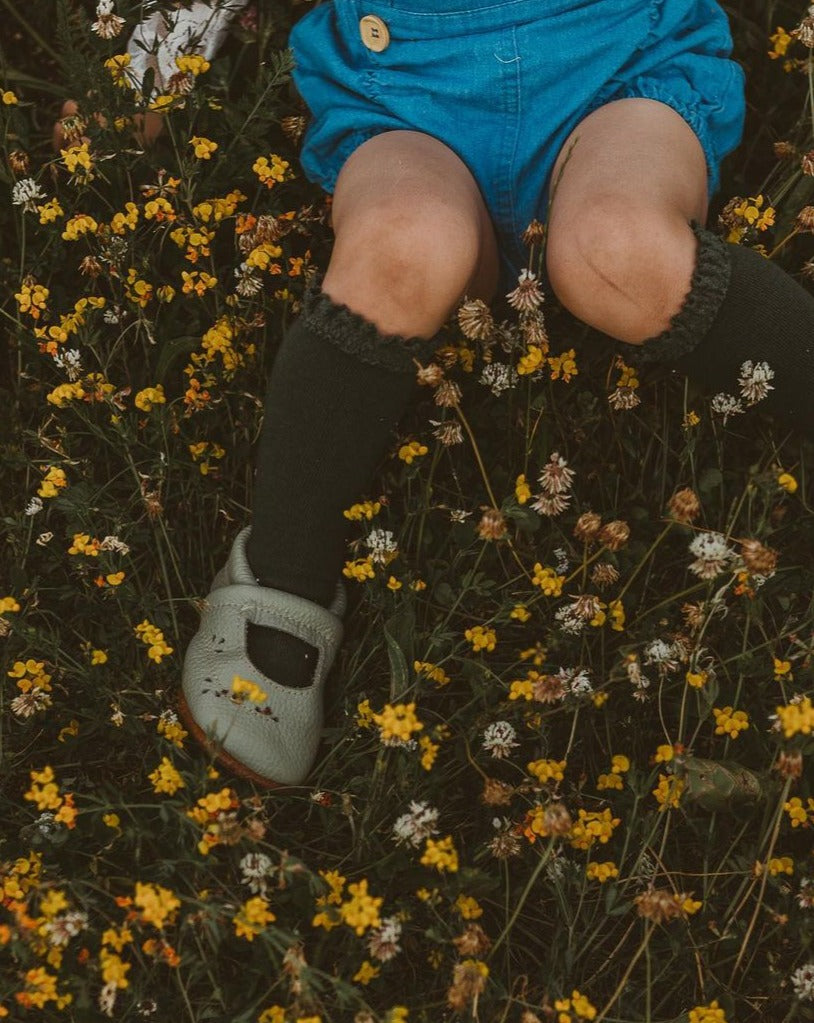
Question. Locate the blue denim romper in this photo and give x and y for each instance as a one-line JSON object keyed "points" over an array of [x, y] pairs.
{"points": [[504, 82]]}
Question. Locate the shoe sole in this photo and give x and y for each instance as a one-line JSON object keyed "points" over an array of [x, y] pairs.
{"points": [[222, 757]]}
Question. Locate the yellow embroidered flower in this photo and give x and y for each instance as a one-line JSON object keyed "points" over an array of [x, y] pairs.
{"points": [[242, 687]]}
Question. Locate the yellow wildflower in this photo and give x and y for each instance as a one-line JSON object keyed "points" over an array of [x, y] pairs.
{"points": [[397, 722], [482, 638], [441, 855]]}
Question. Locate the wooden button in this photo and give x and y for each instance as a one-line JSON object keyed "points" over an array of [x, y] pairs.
{"points": [[374, 33]]}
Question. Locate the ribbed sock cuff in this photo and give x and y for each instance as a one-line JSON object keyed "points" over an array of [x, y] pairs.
{"points": [[708, 288], [350, 332]]}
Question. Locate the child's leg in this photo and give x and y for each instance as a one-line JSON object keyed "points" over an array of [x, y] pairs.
{"points": [[623, 257], [412, 237], [620, 250]]}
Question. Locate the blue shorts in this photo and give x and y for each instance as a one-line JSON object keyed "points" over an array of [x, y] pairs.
{"points": [[504, 82]]}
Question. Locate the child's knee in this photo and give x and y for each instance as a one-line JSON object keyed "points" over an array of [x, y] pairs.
{"points": [[622, 266], [404, 265]]}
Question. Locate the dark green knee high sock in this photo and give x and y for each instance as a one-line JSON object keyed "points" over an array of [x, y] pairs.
{"points": [[742, 308], [335, 395]]}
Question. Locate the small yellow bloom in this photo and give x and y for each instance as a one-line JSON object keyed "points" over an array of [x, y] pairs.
{"points": [[8, 97], [397, 722], [730, 722], [601, 872], [469, 908], [522, 491], [366, 972], [787, 482], [782, 669], [412, 450], [165, 778], [796, 718], [696, 679], [548, 580], [441, 855], [361, 569], [252, 918], [520, 612], [781, 865], [482, 638], [147, 399], [8, 604], [203, 147]]}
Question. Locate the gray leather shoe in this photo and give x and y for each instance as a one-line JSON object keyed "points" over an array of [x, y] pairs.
{"points": [[274, 742]]}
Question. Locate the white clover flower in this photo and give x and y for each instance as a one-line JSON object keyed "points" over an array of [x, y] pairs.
{"points": [[712, 555], [725, 405], [382, 546], [570, 620], [448, 432], [113, 314], [556, 477], [255, 868], [662, 653], [34, 506], [576, 681], [498, 739], [624, 398], [498, 377], [528, 295], [109, 24], [754, 381], [249, 283], [551, 506], [70, 362], [25, 193], [113, 543], [418, 823], [561, 560], [383, 941], [459, 515], [805, 897], [802, 980], [60, 930]]}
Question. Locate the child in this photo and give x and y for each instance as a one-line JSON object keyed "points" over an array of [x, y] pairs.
{"points": [[440, 128]]}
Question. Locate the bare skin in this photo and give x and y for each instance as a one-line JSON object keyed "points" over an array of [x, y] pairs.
{"points": [[620, 251], [413, 236], [147, 128]]}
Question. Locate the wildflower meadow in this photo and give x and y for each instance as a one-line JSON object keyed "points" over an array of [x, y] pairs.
{"points": [[566, 769]]}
